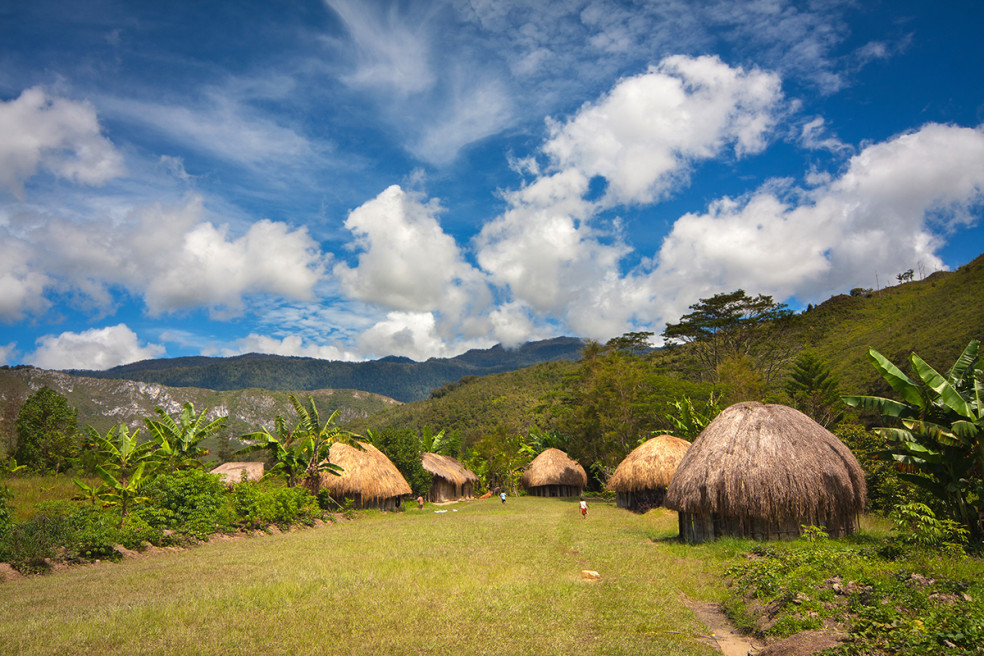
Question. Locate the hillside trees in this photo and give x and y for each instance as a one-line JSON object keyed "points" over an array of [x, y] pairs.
{"points": [[814, 390], [403, 448], [730, 327], [47, 432]]}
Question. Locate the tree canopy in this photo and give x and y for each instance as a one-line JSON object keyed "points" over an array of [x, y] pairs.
{"points": [[47, 432]]}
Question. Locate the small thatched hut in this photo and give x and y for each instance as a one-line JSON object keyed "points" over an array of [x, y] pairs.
{"points": [[763, 471], [553, 474], [232, 472], [369, 478], [640, 481], [450, 480]]}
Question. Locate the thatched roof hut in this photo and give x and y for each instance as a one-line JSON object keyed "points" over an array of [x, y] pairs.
{"points": [[232, 472], [450, 480], [640, 481], [553, 474], [369, 478], [762, 471]]}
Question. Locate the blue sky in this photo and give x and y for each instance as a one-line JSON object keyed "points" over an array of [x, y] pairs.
{"points": [[350, 180]]}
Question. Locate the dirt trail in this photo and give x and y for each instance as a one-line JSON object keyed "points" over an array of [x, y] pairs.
{"points": [[723, 634]]}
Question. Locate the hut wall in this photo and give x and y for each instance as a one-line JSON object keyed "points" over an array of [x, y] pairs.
{"points": [[556, 491], [641, 501], [703, 528], [389, 503], [442, 490]]}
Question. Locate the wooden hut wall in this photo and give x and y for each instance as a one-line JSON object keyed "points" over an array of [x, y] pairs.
{"points": [[556, 491], [388, 503], [703, 528], [442, 490], [641, 500]]}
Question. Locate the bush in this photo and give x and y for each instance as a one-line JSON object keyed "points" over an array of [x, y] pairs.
{"points": [[61, 531], [191, 502], [281, 506], [6, 517]]}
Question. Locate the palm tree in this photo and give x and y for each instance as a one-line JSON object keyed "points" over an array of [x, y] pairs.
{"points": [[178, 441]]}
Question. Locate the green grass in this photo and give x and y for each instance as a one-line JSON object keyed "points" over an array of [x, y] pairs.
{"points": [[32, 489], [488, 579]]}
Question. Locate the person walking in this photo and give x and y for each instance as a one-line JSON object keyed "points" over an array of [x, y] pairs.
{"points": [[420, 502], [584, 508], [502, 495]]}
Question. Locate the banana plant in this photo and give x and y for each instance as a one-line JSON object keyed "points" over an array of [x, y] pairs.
{"points": [[178, 441], [939, 429], [123, 466], [302, 451]]}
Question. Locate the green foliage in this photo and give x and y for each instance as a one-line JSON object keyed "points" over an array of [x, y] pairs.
{"points": [[942, 430], [6, 516], [881, 474], [498, 460], [178, 442], [47, 432], [282, 506], [734, 325], [689, 420], [402, 447], [814, 390], [122, 465], [302, 451], [192, 502], [916, 524]]}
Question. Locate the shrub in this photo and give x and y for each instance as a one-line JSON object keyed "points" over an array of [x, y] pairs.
{"points": [[281, 506], [191, 502]]}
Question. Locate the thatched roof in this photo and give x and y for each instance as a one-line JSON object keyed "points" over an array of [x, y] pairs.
{"points": [[553, 467], [650, 465], [368, 473], [768, 462], [231, 472], [448, 468]]}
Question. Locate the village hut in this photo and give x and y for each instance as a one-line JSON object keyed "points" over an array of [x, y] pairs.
{"points": [[554, 474], [232, 472], [764, 471], [369, 478], [640, 481], [450, 480]]}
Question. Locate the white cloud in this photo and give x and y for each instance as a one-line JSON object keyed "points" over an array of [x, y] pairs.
{"points": [[642, 136], [98, 348], [813, 135], [57, 134], [413, 335], [392, 51], [172, 256], [407, 262], [882, 216], [8, 352], [291, 345]]}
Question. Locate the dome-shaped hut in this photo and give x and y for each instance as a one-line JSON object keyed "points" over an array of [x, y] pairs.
{"points": [[763, 471], [640, 481], [232, 472], [369, 478], [554, 474], [450, 480]]}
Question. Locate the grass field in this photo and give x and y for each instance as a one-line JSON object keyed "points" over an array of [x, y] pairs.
{"points": [[487, 579]]}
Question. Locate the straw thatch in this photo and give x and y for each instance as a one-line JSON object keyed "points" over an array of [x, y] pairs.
{"points": [[450, 480], [232, 472], [762, 471], [369, 479], [640, 481], [553, 474]]}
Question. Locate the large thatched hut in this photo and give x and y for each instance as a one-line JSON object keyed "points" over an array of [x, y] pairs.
{"points": [[554, 474], [640, 481], [763, 471], [450, 480], [369, 478], [232, 472]]}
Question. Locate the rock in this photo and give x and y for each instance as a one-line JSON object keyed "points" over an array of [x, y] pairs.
{"points": [[590, 575]]}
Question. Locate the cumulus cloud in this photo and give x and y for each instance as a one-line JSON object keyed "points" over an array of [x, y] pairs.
{"points": [[97, 348], [170, 255], [640, 138], [884, 214], [60, 135], [414, 335], [407, 262]]}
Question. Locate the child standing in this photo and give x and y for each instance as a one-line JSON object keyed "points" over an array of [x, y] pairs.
{"points": [[584, 508]]}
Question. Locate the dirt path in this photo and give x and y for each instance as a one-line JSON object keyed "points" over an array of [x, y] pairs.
{"points": [[723, 634]]}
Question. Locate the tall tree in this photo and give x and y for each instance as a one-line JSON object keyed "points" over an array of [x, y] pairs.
{"points": [[814, 389], [732, 325], [47, 432], [403, 448]]}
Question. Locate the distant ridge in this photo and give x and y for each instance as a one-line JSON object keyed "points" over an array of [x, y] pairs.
{"points": [[397, 377]]}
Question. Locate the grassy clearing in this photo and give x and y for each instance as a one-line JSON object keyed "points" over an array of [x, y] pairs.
{"points": [[488, 579], [32, 489]]}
